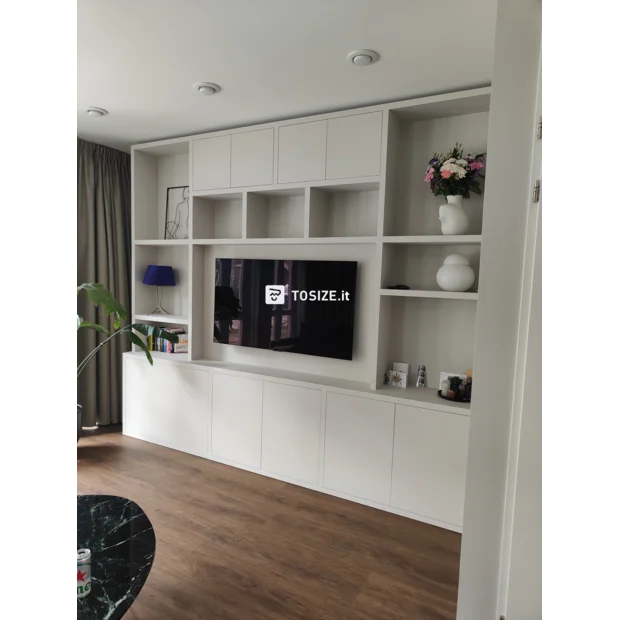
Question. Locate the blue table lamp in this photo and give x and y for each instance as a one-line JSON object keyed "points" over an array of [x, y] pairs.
{"points": [[159, 275]]}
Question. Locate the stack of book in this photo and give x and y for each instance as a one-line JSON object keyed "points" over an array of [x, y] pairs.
{"points": [[164, 346]]}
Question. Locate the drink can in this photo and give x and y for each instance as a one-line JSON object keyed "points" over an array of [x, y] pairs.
{"points": [[83, 573]]}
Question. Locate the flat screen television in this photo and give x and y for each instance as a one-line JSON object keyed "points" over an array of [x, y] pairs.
{"points": [[294, 306]]}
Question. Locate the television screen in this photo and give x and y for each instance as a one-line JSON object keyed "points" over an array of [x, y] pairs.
{"points": [[297, 306]]}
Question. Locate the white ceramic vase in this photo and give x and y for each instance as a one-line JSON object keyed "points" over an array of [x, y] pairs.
{"points": [[455, 275], [454, 220]]}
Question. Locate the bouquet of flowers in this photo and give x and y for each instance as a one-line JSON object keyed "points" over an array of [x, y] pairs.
{"points": [[455, 175]]}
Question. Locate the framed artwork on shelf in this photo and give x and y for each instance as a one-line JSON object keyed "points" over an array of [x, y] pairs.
{"points": [[177, 213]]}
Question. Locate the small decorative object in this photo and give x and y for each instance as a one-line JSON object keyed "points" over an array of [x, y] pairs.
{"points": [[159, 275], [421, 378], [400, 287], [454, 176], [401, 367], [386, 378], [456, 274], [455, 386], [177, 213], [397, 379]]}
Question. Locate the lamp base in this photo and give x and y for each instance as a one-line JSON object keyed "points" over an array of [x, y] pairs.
{"points": [[159, 309]]}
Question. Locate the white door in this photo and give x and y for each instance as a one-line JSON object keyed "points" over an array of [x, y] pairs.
{"points": [[354, 146], [237, 413], [358, 446], [167, 404], [252, 158], [291, 431], [211, 163], [301, 152], [430, 463]]}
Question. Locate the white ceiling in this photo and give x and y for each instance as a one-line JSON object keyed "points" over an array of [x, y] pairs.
{"points": [[274, 59]]}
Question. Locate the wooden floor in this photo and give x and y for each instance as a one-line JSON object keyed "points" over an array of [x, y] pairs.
{"points": [[235, 545]]}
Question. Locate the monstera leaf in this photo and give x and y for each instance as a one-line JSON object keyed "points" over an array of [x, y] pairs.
{"points": [[99, 295]]}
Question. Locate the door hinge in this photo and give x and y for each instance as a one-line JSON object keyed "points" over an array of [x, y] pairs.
{"points": [[536, 191], [539, 128]]}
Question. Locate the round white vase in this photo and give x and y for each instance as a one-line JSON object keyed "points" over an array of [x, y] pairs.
{"points": [[455, 275], [454, 220]]}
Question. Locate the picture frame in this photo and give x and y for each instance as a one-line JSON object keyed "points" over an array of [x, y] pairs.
{"points": [[176, 224], [397, 378]]}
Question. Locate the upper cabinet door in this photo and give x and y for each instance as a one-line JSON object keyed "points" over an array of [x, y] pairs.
{"points": [[354, 146], [252, 158], [301, 152], [211, 163]]}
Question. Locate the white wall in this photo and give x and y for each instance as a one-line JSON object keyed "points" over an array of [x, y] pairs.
{"points": [[512, 123]]}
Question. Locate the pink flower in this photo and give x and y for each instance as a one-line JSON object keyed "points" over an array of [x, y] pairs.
{"points": [[476, 165], [429, 175], [446, 174]]}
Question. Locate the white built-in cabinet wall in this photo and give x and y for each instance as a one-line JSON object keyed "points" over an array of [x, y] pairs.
{"points": [[337, 148], [340, 186], [403, 459]]}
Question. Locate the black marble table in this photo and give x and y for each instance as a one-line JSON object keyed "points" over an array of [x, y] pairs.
{"points": [[122, 543]]}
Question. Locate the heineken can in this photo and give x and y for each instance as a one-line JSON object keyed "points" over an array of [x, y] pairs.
{"points": [[83, 573]]}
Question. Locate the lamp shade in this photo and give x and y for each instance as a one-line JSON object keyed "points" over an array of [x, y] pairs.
{"points": [[159, 275]]}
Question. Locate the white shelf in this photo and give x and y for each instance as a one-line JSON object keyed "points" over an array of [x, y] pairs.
{"points": [[161, 242], [436, 239], [394, 292], [162, 318], [288, 241], [172, 357]]}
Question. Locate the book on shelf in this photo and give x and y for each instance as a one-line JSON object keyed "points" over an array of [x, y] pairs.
{"points": [[165, 346]]}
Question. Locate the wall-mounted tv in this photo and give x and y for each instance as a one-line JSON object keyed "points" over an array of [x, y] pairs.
{"points": [[294, 306]]}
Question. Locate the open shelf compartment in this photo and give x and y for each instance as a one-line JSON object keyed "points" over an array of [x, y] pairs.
{"points": [[414, 134], [161, 173], [349, 210], [438, 333], [277, 214], [218, 216], [416, 265]]}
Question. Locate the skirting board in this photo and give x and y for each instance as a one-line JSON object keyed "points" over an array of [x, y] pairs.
{"points": [[319, 489]]}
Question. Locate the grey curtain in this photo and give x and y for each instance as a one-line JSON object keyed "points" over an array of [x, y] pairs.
{"points": [[103, 255]]}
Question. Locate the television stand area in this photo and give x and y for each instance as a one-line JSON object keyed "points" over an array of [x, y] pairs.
{"points": [[345, 186]]}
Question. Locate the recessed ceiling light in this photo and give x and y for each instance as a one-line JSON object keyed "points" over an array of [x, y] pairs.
{"points": [[96, 112], [363, 58], [207, 88]]}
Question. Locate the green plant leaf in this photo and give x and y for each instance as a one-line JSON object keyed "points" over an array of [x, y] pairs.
{"points": [[153, 330], [95, 326], [140, 343], [99, 294]]}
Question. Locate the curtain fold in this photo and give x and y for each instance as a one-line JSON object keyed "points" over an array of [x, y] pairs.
{"points": [[103, 255]]}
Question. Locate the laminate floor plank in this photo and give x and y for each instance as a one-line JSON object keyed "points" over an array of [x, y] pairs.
{"points": [[233, 545]]}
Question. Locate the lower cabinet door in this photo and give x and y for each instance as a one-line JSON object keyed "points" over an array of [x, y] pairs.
{"points": [[358, 446], [291, 431], [430, 463], [167, 404], [237, 413]]}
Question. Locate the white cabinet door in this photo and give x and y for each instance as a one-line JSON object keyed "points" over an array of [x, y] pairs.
{"points": [[354, 146], [190, 410], [430, 462], [358, 446], [301, 152], [211, 163], [291, 431], [237, 413], [252, 158], [167, 405]]}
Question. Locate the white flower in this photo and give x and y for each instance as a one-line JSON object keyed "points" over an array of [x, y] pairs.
{"points": [[458, 171], [461, 162], [449, 161]]}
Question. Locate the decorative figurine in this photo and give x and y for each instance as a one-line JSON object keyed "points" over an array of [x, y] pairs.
{"points": [[421, 380]]}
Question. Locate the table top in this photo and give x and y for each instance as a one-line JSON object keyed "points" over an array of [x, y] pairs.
{"points": [[122, 544]]}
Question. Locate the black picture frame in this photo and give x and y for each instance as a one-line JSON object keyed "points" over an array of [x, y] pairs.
{"points": [[178, 226]]}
